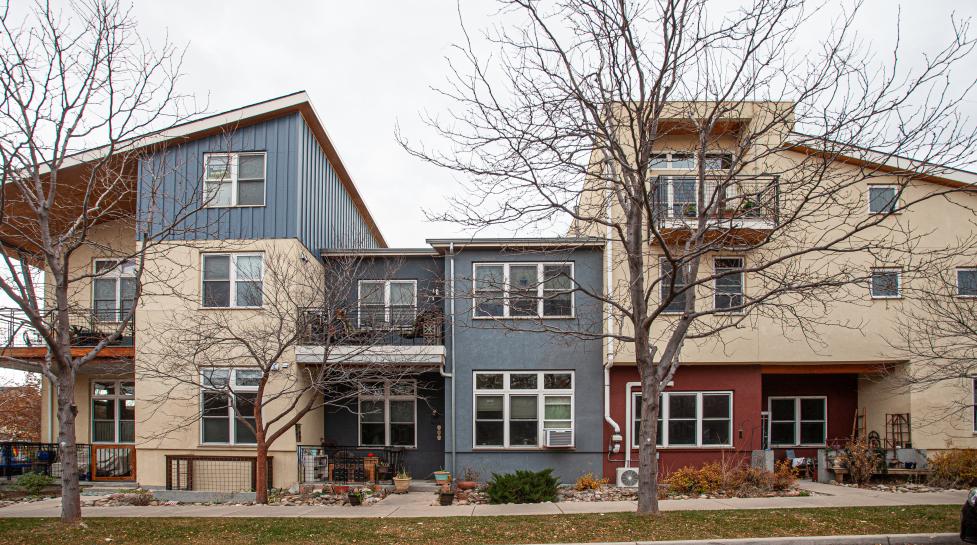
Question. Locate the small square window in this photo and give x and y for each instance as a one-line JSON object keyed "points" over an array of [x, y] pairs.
{"points": [[886, 283], [882, 199], [967, 282]]}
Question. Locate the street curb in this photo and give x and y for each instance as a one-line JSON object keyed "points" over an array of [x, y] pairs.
{"points": [[882, 539]]}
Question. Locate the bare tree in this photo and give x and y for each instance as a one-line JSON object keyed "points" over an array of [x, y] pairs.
{"points": [[562, 112], [71, 80], [302, 302]]}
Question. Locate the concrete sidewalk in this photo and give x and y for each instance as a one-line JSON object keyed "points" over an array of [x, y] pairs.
{"points": [[418, 504]]}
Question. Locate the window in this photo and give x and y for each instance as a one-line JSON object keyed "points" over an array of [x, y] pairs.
{"points": [[886, 283], [234, 179], [729, 282], [113, 289], [232, 280], [967, 282], [798, 421], [388, 414], [387, 302], [514, 408], [882, 199], [113, 411], [228, 397], [670, 279], [523, 290], [686, 161], [689, 419]]}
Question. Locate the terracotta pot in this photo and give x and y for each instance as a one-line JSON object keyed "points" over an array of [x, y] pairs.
{"points": [[401, 486], [466, 485]]}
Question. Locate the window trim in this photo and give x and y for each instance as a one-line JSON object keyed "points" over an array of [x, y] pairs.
{"points": [[958, 271], [715, 284], [234, 157], [387, 397], [386, 297], [634, 390], [232, 278], [540, 290], [871, 284], [540, 392], [868, 198], [797, 422], [232, 387], [116, 398]]}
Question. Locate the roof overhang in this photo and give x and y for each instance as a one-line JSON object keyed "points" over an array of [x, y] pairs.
{"points": [[557, 243], [424, 356]]}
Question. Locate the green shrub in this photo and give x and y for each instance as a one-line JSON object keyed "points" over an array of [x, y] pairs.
{"points": [[956, 468], [523, 487], [34, 483]]}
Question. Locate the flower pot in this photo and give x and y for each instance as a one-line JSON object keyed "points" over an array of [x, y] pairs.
{"points": [[466, 485], [401, 486], [442, 477], [354, 499], [446, 498]]}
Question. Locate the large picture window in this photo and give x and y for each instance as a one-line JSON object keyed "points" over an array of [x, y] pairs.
{"points": [[388, 414], [513, 409], [234, 179], [688, 419], [232, 280], [113, 411], [113, 289], [798, 421], [387, 302], [523, 290], [228, 397]]}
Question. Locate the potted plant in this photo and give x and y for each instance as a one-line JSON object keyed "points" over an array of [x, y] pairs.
{"points": [[446, 496], [442, 477], [402, 482], [355, 497], [469, 479]]}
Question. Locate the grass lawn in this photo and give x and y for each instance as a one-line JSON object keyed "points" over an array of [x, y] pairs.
{"points": [[525, 529]]}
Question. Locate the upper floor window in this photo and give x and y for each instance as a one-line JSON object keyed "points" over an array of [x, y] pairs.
{"points": [[798, 421], [967, 282], [687, 161], [113, 289], [514, 409], [513, 290], [883, 199], [669, 279], [228, 397], [387, 301], [113, 411], [388, 414], [232, 280], [886, 283], [729, 286], [688, 419], [234, 179]]}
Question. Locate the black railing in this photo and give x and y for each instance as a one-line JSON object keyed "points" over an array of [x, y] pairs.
{"points": [[348, 464], [19, 457], [87, 327], [738, 200], [372, 325]]}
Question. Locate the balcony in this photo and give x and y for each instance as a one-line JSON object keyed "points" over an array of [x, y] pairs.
{"points": [[87, 328], [741, 206]]}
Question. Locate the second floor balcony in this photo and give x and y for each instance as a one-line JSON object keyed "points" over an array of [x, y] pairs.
{"points": [[372, 325], [87, 327], [740, 203]]}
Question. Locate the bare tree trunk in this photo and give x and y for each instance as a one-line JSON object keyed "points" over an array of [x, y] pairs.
{"points": [[647, 448], [261, 471], [68, 449]]}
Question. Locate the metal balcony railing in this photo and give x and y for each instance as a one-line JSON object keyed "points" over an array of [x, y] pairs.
{"points": [[87, 327], [372, 325], [732, 201]]}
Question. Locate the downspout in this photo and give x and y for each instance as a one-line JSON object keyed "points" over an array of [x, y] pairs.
{"points": [[50, 411], [615, 443], [451, 328]]}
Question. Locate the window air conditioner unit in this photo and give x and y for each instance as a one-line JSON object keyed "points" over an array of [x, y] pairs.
{"points": [[627, 477], [559, 438]]}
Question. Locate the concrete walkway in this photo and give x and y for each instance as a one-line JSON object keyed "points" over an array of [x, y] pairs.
{"points": [[418, 504]]}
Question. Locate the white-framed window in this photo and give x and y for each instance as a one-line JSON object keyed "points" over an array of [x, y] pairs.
{"points": [[226, 396], [886, 283], [728, 287], [687, 161], [513, 409], [234, 179], [387, 302], [113, 411], [232, 280], [113, 289], [668, 278], [688, 419], [523, 290], [387, 413], [967, 281], [883, 199], [798, 421]]}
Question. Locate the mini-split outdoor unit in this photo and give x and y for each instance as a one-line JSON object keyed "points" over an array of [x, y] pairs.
{"points": [[627, 477], [559, 438]]}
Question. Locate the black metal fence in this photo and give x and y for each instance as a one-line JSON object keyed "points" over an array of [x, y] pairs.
{"points": [[372, 325], [348, 464], [17, 458], [214, 473], [88, 327], [737, 199]]}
